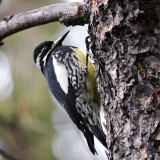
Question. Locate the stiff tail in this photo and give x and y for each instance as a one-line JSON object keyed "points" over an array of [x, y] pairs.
{"points": [[100, 135], [90, 140]]}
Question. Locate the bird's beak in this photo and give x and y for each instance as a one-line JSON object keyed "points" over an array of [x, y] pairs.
{"points": [[60, 40]]}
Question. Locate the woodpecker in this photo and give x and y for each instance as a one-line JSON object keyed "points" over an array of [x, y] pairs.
{"points": [[64, 68]]}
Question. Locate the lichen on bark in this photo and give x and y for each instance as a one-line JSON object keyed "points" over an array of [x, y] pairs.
{"points": [[125, 37]]}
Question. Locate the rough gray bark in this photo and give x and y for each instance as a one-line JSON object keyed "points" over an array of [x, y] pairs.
{"points": [[125, 36]]}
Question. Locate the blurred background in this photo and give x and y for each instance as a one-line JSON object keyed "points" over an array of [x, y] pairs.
{"points": [[32, 125]]}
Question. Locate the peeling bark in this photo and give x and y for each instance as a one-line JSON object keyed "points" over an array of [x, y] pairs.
{"points": [[125, 37]]}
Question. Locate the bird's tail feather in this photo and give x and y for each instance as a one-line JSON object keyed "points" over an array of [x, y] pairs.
{"points": [[100, 135], [90, 140]]}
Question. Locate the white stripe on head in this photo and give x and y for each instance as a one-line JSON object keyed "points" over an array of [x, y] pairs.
{"points": [[61, 74], [45, 58], [38, 60]]}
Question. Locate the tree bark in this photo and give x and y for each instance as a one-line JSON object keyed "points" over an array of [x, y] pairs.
{"points": [[125, 41]]}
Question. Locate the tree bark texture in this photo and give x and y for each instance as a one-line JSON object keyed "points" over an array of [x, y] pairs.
{"points": [[125, 41]]}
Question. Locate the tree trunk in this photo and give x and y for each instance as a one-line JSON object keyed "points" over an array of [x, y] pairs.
{"points": [[125, 41]]}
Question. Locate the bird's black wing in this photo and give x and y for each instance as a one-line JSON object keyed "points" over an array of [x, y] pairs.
{"points": [[77, 118], [68, 102], [98, 132]]}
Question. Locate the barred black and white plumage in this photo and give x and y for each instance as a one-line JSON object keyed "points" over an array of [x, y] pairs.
{"points": [[64, 68]]}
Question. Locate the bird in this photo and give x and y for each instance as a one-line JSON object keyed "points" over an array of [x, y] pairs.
{"points": [[73, 85]]}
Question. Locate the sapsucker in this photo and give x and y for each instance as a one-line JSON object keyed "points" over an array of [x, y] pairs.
{"points": [[64, 68]]}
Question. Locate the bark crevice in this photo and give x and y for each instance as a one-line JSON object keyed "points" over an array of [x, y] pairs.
{"points": [[126, 48]]}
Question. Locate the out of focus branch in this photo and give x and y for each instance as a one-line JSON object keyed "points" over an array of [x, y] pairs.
{"points": [[67, 13], [7, 155]]}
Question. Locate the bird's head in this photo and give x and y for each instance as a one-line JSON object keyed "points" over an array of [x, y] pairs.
{"points": [[43, 50]]}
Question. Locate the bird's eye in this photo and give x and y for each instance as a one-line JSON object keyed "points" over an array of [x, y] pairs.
{"points": [[44, 49]]}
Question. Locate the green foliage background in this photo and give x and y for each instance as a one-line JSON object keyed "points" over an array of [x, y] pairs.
{"points": [[26, 130]]}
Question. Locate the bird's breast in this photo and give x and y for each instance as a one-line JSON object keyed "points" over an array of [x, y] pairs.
{"points": [[61, 74]]}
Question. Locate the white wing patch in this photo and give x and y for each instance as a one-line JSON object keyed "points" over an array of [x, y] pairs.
{"points": [[62, 74]]}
